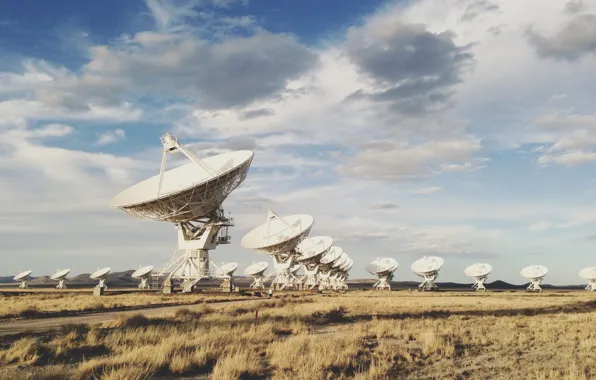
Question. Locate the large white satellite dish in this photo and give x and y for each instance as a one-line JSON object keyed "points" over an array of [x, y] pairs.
{"points": [[279, 237], [383, 268], [589, 274], [227, 270], [143, 274], [479, 272], [23, 277], [326, 274], [189, 196], [101, 275], [340, 269], [428, 268], [257, 271], [312, 249], [60, 276], [534, 273]]}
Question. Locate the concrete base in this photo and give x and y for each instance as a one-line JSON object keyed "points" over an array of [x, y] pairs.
{"points": [[226, 286], [98, 291], [167, 290]]}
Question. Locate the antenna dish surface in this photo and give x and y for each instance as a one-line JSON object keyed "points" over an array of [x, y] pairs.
{"points": [[315, 246], [142, 271], [256, 268], [381, 266], [60, 274], [427, 264], [333, 254], [588, 273], [478, 270], [100, 273], [228, 268], [278, 233], [341, 260], [187, 192], [22, 275], [534, 271]]}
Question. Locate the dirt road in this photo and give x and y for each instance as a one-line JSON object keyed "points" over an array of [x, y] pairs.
{"points": [[43, 324]]}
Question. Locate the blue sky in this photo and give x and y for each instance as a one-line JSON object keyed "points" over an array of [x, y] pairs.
{"points": [[464, 129]]}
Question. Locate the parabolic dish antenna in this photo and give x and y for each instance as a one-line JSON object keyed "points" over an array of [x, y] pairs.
{"points": [[340, 272], [257, 271], [383, 268], [312, 248], [534, 273], [428, 268], [101, 275], [23, 277], [143, 274], [279, 238], [228, 269], [331, 256], [278, 235], [256, 268], [427, 265], [589, 274], [60, 276], [341, 260], [189, 196], [479, 272]]}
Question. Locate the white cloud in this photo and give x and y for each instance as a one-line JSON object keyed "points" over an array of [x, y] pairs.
{"points": [[427, 190], [111, 137]]}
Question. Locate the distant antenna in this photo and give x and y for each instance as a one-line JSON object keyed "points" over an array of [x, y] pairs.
{"points": [[312, 249], [326, 265], [589, 274], [428, 268], [23, 277], [278, 237], [383, 269], [479, 272], [60, 276], [257, 271], [226, 271], [535, 273], [101, 275], [190, 196], [143, 274]]}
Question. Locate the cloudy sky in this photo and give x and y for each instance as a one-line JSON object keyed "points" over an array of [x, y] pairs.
{"points": [[459, 128]]}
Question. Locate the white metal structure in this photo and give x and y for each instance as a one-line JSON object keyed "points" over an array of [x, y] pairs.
{"points": [[190, 196], [383, 268], [143, 274], [589, 274], [23, 277], [534, 273], [343, 275], [428, 268], [257, 271], [60, 276], [311, 251], [278, 237], [479, 272], [335, 273], [326, 266], [101, 275]]}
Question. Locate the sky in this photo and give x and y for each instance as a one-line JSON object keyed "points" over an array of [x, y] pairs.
{"points": [[464, 129]]}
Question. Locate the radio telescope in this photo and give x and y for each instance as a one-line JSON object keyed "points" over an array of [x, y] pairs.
{"points": [[479, 272], [343, 274], [335, 270], [311, 251], [226, 271], [534, 273], [143, 274], [23, 277], [257, 271], [278, 237], [326, 266], [428, 268], [383, 268], [190, 196], [589, 274], [101, 275], [60, 276]]}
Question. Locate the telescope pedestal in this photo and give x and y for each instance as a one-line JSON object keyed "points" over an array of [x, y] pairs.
{"points": [[383, 283], [144, 284], [591, 286], [429, 282], [284, 278], [479, 285], [61, 284], [535, 285], [258, 282], [310, 277], [23, 285], [102, 283], [324, 281]]}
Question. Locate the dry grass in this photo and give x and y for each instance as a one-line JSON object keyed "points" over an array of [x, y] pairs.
{"points": [[32, 305], [360, 335]]}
